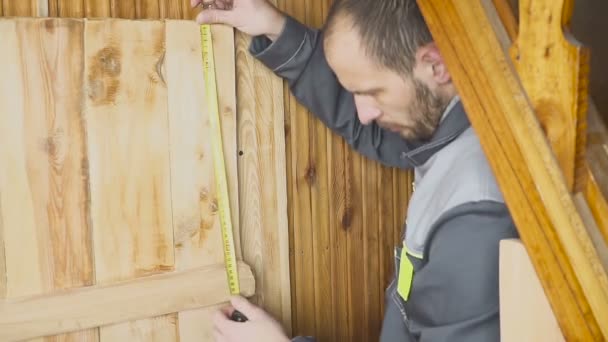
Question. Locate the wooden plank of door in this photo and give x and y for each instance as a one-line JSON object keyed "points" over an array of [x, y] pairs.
{"points": [[527, 172], [129, 170], [263, 195], [43, 188], [195, 209], [101, 305]]}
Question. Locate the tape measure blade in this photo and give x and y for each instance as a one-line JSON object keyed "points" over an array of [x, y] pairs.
{"points": [[218, 160]]}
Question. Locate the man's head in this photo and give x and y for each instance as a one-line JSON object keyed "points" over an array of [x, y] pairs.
{"points": [[383, 52]]}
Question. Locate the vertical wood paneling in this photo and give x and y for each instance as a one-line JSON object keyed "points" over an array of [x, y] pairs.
{"points": [[366, 206], [122, 9], [318, 176], [20, 8], [97, 8], [147, 9], [67, 8]]}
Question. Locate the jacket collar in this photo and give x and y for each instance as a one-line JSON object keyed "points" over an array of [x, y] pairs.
{"points": [[453, 122]]}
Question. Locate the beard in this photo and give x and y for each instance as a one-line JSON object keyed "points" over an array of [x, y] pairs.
{"points": [[425, 113]]}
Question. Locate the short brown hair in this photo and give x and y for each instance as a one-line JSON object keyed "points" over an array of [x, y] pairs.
{"points": [[391, 30]]}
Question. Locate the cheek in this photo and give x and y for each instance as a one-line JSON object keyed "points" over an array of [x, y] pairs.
{"points": [[394, 103]]}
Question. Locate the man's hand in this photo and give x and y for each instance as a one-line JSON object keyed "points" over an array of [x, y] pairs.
{"points": [[259, 327], [254, 17]]}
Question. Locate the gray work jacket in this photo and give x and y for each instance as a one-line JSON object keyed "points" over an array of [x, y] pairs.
{"points": [[456, 215]]}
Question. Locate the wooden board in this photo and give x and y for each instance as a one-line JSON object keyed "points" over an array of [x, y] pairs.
{"points": [[556, 80], [43, 182], [102, 305], [263, 196], [525, 313], [550, 225], [195, 212], [128, 143]]}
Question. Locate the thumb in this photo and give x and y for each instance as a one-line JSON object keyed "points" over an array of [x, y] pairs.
{"points": [[215, 16], [245, 307]]}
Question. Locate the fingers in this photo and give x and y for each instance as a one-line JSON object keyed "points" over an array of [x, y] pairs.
{"points": [[245, 307], [194, 3], [222, 325], [215, 16]]}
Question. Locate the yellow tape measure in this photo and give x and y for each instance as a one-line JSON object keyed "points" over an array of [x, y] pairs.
{"points": [[220, 165]]}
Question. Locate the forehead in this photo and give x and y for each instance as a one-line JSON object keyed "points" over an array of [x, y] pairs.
{"points": [[347, 57]]}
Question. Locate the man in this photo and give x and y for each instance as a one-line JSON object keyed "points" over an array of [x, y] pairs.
{"points": [[374, 76]]}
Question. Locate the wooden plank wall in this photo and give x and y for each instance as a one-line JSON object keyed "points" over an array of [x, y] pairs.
{"points": [[345, 212], [345, 216]]}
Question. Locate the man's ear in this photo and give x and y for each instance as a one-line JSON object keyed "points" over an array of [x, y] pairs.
{"points": [[430, 65]]}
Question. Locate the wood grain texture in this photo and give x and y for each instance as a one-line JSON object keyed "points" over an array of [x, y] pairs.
{"points": [[67, 8], [128, 141], [47, 242], [93, 306], [325, 178], [522, 160], [21, 8], [97, 8], [195, 205], [525, 313], [555, 78], [147, 9], [123, 9], [263, 195]]}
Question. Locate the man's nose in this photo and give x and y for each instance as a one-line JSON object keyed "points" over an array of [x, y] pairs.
{"points": [[366, 111]]}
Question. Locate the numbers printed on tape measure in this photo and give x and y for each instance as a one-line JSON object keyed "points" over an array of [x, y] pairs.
{"points": [[218, 160]]}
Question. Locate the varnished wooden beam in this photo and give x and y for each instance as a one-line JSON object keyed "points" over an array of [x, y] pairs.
{"points": [[554, 69], [87, 307], [474, 45]]}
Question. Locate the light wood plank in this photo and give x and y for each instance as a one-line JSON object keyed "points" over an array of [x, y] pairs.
{"points": [[197, 230], [93, 306], [554, 69], [525, 313], [262, 180], [224, 52], [52, 147], [522, 160], [128, 140]]}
